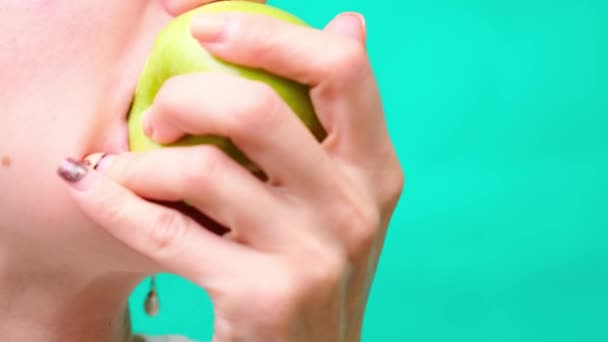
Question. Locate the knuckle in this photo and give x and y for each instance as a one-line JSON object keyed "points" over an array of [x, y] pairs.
{"points": [[168, 97], [257, 109], [347, 59], [327, 271], [167, 228], [202, 165], [264, 50], [361, 222], [398, 185], [393, 188], [256, 28]]}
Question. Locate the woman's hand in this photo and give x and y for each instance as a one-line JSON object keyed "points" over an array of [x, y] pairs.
{"points": [[303, 247]]}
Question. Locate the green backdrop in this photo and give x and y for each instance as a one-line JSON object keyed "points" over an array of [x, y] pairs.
{"points": [[499, 111]]}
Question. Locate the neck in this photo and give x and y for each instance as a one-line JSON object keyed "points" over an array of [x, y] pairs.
{"points": [[66, 306]]}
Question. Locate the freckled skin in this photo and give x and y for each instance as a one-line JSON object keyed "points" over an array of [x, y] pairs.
{"points": [[82, 88]]}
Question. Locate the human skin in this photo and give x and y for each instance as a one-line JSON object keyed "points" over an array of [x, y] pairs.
{"points": [[70, 254]]}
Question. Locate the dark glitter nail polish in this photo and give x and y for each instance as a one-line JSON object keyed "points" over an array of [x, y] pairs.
{"points": [[72, 170]]}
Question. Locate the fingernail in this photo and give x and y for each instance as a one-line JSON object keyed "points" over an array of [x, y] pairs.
{"points": [[72, 170], [360, 22], [147, 125], [208, 27], [98, 161], [104, 163]]}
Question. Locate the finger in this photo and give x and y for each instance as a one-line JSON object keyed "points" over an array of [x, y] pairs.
{"points": [[207, 179], [349, 24], [261, 41], [255, 118], [177, 7], [166, 236], [344, 90]]}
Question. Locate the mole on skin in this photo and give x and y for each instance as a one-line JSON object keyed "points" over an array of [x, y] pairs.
{"points": [[6, 161]]}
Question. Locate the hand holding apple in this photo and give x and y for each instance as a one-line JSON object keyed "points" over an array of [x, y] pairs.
{"points": [[299, 260], [177, 52]]}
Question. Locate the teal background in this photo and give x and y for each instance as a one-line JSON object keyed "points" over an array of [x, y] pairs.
{"points": [[499, 111]]}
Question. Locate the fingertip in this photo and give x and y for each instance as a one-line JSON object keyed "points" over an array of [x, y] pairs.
{"points": [[77, 174], [175, 7], [146, 124], [72, 170], [100, 161], [157, 125], [161, 133], [349, 24], [208, 27]]}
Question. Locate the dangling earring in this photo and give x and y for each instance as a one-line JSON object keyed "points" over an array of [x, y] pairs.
{"points": [[151, 304]]}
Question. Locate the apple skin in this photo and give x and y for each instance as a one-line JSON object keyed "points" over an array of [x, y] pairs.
{"points": [[177, 52]]}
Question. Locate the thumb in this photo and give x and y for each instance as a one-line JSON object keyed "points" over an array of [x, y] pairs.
{"points": [[349, 24]]}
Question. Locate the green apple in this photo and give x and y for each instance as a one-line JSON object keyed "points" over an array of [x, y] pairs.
{"points": [[176, 52]]}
